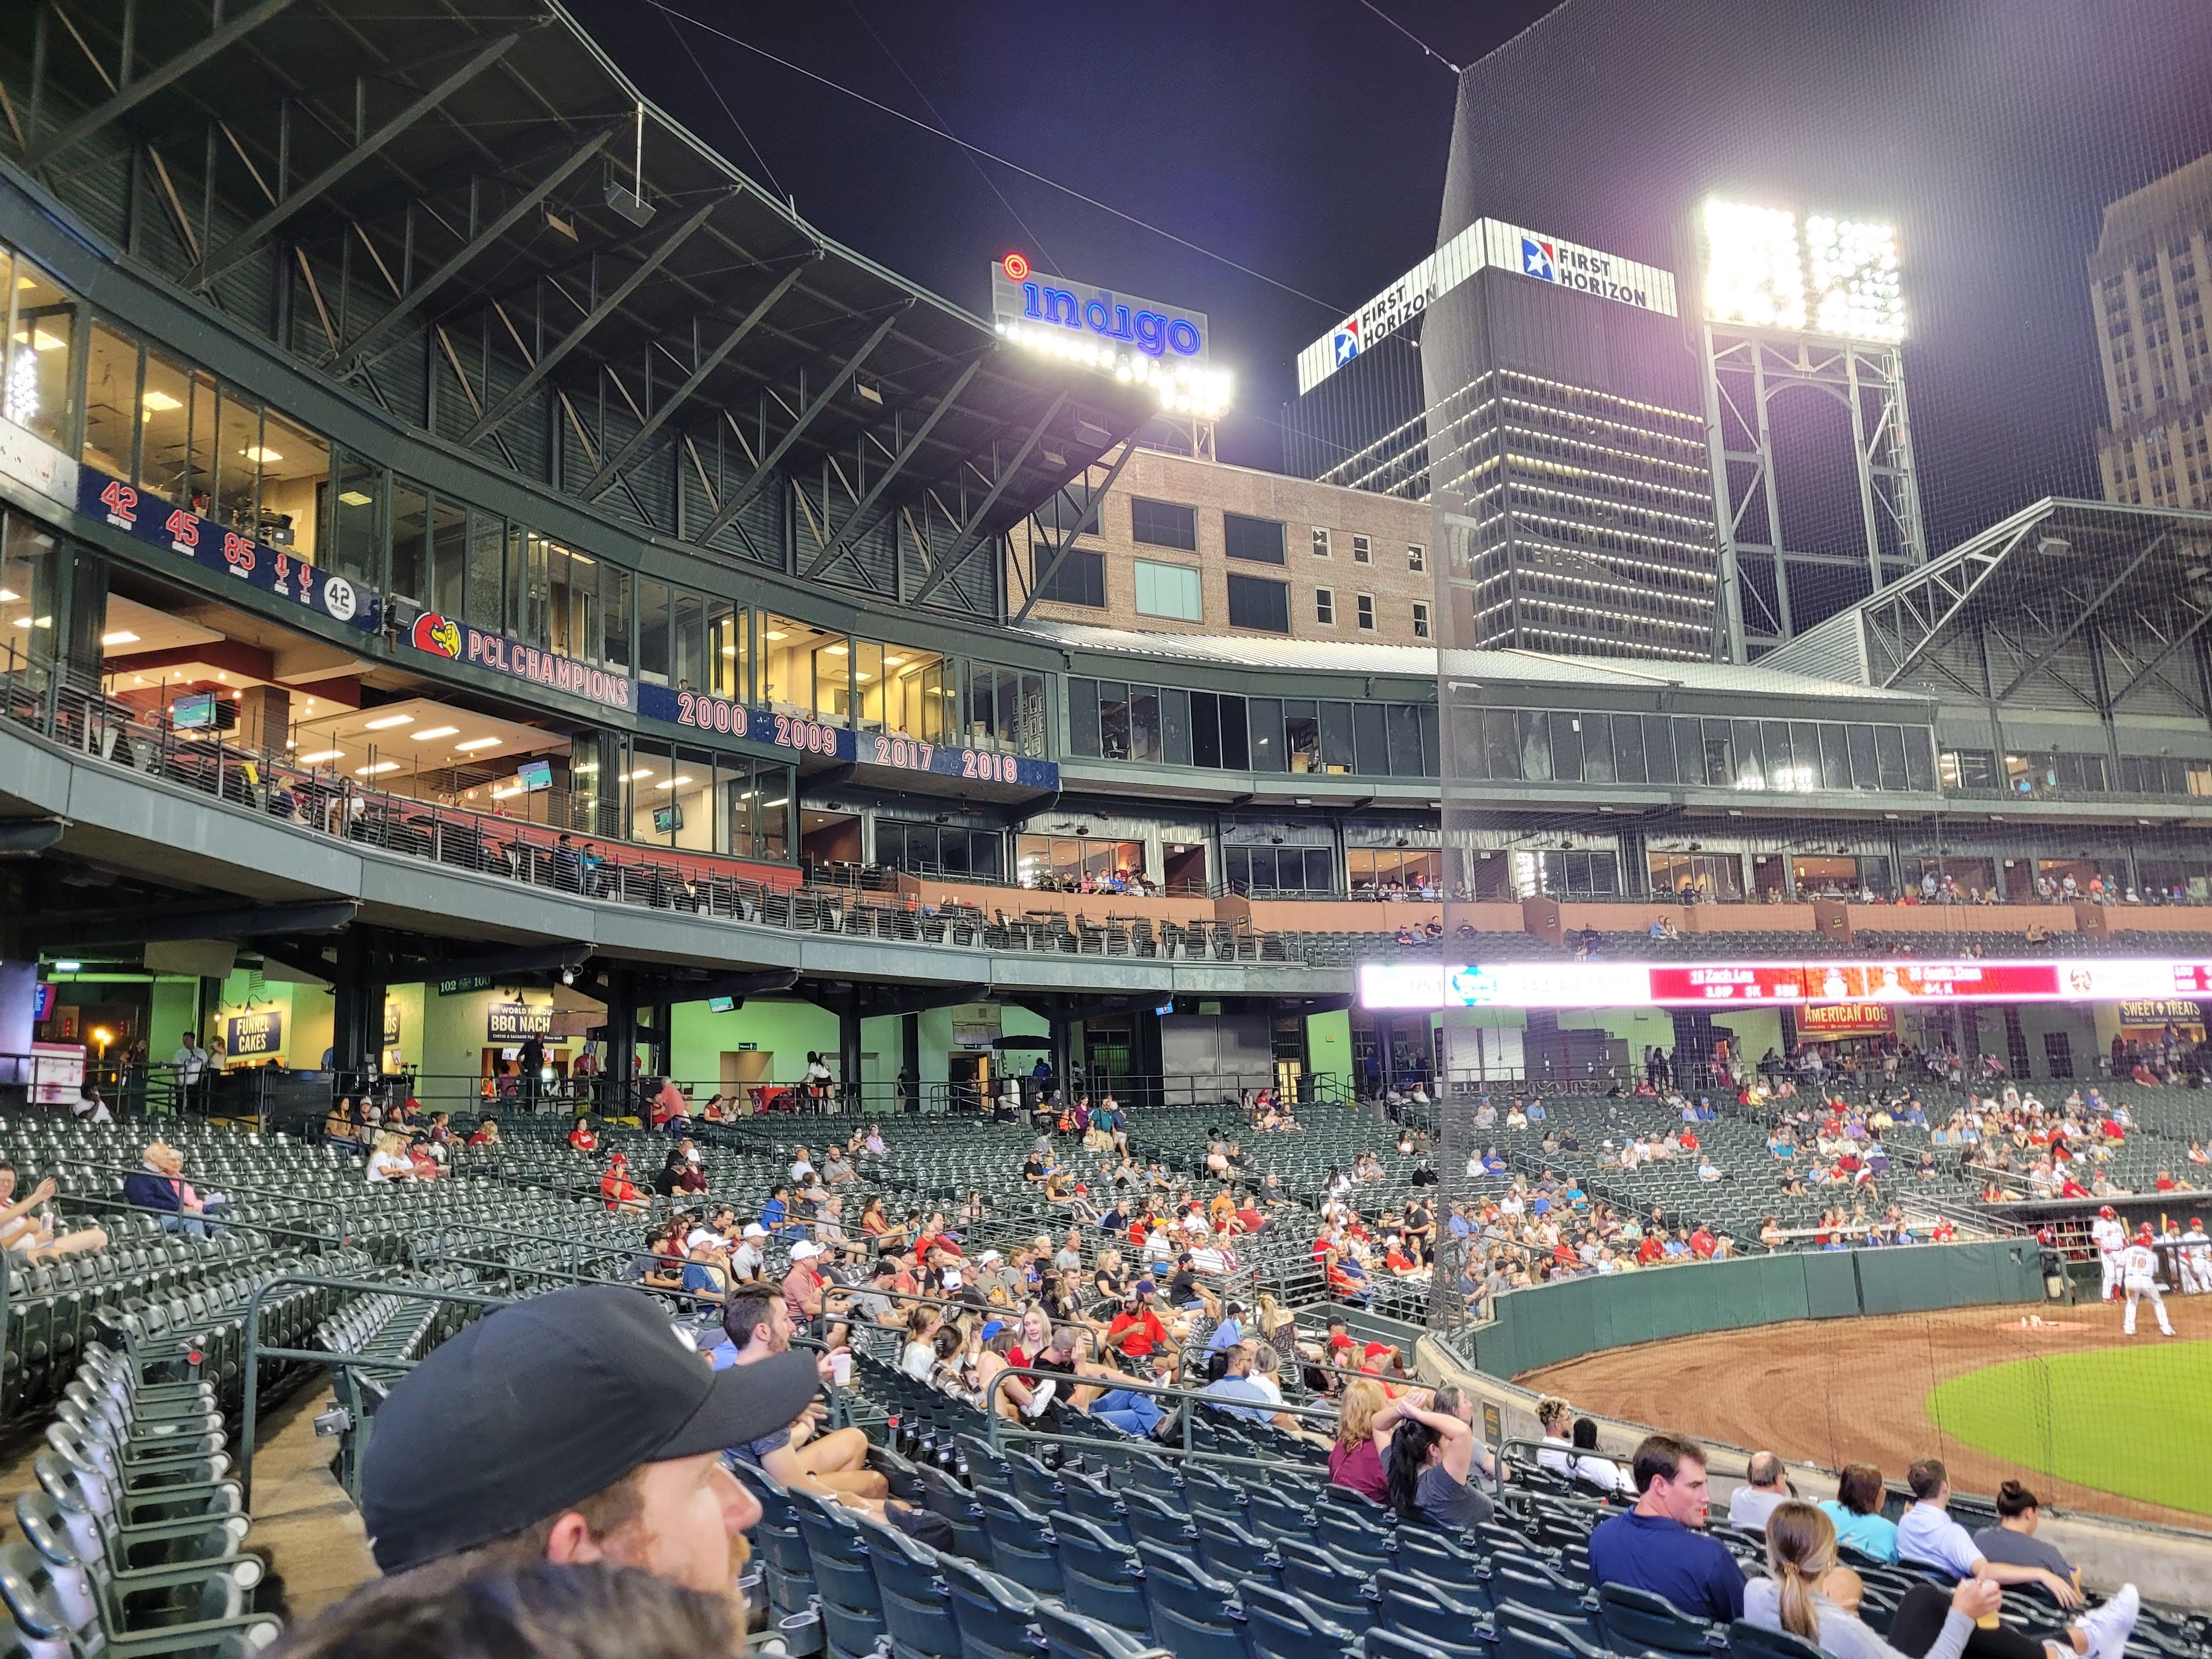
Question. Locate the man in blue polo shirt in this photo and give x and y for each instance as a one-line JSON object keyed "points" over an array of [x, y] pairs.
{"points": [[1654, 1547]]}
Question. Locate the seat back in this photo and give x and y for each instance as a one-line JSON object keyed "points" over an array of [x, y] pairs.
{"points": [[1278, 1627], [1750, 1641], [1634, 1621]]}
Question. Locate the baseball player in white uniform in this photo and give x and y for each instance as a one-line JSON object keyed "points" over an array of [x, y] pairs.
{"points": [[2111, 1238], [2195, 1258], [2139, 1276]]}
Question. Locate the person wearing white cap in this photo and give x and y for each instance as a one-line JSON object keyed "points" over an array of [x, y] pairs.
{"points": [[747, 1257], [802, 1292]]}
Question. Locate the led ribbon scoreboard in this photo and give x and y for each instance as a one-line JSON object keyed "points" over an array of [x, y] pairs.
{"points": [[1762, 984]]}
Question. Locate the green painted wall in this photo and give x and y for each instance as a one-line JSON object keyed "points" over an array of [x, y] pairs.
{"points": [[174, 1007], [1328, 1046], [1756, 1030], [307, 1011], [783, 1028]]}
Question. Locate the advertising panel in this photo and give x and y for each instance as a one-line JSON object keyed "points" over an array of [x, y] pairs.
{"points": [[1820, 1021], [254, 1035], [512, 1022], [274, 570], [1760, 984], [449, 638], [1492, 245]]}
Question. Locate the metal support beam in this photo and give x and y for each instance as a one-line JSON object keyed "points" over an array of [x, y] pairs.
{"points": [[1040, 579], [2143, 674], [131, 93], [477, 246], [22, 838], [599, 314], [523, 959], [684, 393], [241, 246], [2048, 650], [963, 543], [761, 474], [230, 919], [857, 520]]}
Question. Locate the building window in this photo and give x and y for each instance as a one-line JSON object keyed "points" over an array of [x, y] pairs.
{"points": [[1080, 579], [1320, 543], [1420, 620], [1168, 590], [1363, 551], [1416, 557], [1259, 540], [1164, 524], [1255, 602], [1325, 607], [1367, 613]]}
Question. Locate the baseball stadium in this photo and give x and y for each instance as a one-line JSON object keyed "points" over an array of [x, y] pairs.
{"points": [[704, 948]]}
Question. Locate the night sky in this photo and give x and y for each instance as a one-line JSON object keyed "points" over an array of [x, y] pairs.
{"points": [[1308, 140]]}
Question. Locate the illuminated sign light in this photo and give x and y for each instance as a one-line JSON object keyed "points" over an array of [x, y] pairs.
{"points": [[1491, 245], [1831, 276], [1143, 342], [1770, 984]]}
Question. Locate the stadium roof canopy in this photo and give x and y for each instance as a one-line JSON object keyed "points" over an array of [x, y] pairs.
{"points": [[2068, 605], [1476, 667], [484, 160]]}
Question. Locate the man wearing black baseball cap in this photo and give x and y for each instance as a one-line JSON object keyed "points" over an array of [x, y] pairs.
{"points": [[573, 1427]]}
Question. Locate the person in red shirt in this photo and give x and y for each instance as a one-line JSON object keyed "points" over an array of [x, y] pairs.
{"points": [[1135, 1332], [2165, 1183], [583, 1138], [2072, 1188], [1702, 1242], [615, 1187], [1650, 1249], [487, 1133], [1689, 1140], [1944, 1231]]}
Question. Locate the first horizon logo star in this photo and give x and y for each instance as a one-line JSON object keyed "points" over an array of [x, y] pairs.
{"points": [[1537, 261], [1344, 345]]}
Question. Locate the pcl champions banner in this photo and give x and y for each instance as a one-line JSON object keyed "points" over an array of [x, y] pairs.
{"points": [[274, 570], [446, 636]]}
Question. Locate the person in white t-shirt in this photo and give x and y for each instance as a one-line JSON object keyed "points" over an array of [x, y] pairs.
{"points": [[1766, 1488], [2139, 1279], [390, 1162]]}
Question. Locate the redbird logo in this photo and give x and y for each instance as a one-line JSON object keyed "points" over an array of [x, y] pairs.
{"points": [[437, 634]]}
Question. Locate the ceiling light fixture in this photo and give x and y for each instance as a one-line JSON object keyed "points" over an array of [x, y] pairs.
{"points": [[322, 755], [434, 731], [384, 723], [120, 637], [377, 770], [474, 743]]}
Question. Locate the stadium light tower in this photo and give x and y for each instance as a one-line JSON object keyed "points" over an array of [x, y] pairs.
{"points": [[1788, 305]]}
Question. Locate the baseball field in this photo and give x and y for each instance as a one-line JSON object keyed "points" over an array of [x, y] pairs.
{"points": [[2057, 1397], [2134, 1420]]}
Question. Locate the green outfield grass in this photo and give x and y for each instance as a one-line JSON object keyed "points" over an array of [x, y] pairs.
{"points": [[2136, 1420]]}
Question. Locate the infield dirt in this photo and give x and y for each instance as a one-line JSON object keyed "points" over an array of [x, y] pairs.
{"points": [[1832, 1391]]}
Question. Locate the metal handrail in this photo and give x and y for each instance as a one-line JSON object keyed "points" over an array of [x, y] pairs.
{"points": [[998, 1429]]}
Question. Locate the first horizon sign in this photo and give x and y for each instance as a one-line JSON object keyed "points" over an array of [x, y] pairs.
{"points": [[1486, 245]]}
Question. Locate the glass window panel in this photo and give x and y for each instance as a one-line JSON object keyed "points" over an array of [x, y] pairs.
{"points": [[1721, 752], [833, 678], [1536, 745], [1035, 723], [238, 461], [111, 399], [615, 589], [776, 785], [1566, 748], [1259, 540], [1236, 752], [1266, 716], [691, 795], [1889, 756], [1145, 723], [1370, 741], [1835, 757], [1866, 771], [40, 376], [1174, 725], [1597, 749], [1404, 722], [1113, 720], [1501, 742], [296, 471], [487, 536], [1302, 734], [1919, 758], [585, 629], [1775, 745], [652, 618], [449, 558], [1164, 524], [1205, 729], [27, 583], [514, 581], [1745, 770], [1689, 733], [411, 540], [560, 601], [1659, 748], [1805, 754], [356, 518], [1336, 749], [1430, 751], [690, 645], [533, 623], [1628, 751], [165, 422]]}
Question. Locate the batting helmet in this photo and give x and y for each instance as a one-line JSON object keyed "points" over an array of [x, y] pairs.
{"points": [[2106, 1211]]}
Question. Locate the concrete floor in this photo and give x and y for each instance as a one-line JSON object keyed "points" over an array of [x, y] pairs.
{"points": [[302, 1518]]}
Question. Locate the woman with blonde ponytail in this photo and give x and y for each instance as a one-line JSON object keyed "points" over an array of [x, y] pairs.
{"points": [[1800, 1553]]}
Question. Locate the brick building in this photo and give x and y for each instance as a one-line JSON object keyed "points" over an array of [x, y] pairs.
{"points": [[2145, 290], [1196, 547]]}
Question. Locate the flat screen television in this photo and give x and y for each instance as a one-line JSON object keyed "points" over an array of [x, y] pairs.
{"points": [[534, 775]]}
